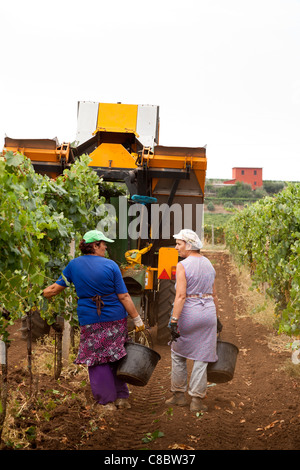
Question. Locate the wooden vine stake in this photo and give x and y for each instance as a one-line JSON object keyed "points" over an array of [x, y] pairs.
{"points": [[63, 337], [62, 346], [29, 349], [58, 354], [3, 384], [67, 330], [66, 341]]}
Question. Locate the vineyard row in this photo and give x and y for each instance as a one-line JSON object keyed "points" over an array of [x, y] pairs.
{"points": [[265, 237]]}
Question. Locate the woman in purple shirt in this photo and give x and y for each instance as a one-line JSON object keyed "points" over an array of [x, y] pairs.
{"points": [[103, 305], [193, 322]]}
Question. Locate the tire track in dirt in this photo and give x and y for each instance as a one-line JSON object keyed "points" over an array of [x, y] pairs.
{"points": [[140, 419], [128, 427]]}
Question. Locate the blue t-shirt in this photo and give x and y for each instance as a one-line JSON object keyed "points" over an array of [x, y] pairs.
{"points": [[95, 275]]}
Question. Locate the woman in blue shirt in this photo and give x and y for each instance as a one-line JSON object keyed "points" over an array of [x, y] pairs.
{"points": [[103, 305]]}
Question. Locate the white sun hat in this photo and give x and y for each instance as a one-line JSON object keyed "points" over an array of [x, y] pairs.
{"points": [[190, 237]]}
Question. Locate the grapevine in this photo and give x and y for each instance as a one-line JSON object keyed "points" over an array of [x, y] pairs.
{"points": [[39, 218], [265, 236]]}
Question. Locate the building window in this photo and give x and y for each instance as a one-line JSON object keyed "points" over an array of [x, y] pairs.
{"points": [[254, 183], [243, 172], [255, 172]]}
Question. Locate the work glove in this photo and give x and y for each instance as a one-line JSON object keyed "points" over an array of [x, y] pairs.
{"points": [[174, 331], [138, 323]]}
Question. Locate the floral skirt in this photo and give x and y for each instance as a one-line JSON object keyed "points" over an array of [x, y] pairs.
{"points": [[103, 342]]}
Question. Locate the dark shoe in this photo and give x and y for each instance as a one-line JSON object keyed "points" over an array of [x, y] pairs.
{"points": [[178, 399], [197, 404]]}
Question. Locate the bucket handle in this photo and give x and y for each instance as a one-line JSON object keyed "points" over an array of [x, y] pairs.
{"points": [[219, 328]]}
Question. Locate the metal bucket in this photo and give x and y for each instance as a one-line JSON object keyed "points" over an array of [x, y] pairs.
{"points": [[138, 365], [223, 370]]}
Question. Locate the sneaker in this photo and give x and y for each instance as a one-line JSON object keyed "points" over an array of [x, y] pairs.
{"points": [[178, 399], [197, 404], [109, 407], [122, 403]]}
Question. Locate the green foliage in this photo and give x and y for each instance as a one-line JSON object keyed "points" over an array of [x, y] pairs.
{"points": [[217, 219], [241, 193], [215, 222], [265, 236], [210, 206], [217, 231], [152, 436], [237, 190], [108, 189], [38, 219], [273, 187], [229, 206]]}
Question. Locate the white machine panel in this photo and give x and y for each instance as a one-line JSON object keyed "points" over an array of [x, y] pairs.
{"points": [[147, 125], [87, 115]]}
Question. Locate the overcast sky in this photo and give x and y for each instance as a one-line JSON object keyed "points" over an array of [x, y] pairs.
{"points": [[225, 73]]}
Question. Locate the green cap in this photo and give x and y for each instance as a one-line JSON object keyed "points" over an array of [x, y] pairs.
{"points": [[96, 236]]}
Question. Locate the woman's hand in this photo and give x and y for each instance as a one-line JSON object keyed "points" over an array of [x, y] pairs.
{"points": [[138, 323], [174, 331], [52, 290]]}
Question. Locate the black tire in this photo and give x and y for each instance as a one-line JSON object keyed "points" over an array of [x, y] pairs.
{"points": [[166, 296]]}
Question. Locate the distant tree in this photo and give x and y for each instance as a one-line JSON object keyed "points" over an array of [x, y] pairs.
{"points": [[237, 190], [228, 205], [273, 187], [260, 192], [210, 207]]}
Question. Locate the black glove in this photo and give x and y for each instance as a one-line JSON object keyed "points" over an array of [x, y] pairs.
{"points": [[174, 331], [219, 326]]}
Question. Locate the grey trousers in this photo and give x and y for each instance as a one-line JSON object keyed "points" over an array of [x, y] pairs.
{"points": [[198, 379]]}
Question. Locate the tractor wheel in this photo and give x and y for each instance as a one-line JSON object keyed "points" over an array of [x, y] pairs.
{"points": [[166, 295]]}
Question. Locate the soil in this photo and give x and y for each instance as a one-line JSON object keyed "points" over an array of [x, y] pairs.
{"points": [[257, 410]]}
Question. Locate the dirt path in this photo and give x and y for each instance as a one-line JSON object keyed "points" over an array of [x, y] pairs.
{"points": [[257, 410]]}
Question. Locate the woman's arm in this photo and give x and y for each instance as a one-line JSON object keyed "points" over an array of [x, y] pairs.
{"points": [[52, 290], [128, 304], [180, 291], [130, 308]]}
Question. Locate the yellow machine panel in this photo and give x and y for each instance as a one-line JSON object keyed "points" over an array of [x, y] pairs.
{"points": [[47, 150], [180, 158], [112, 156], [46, 154], [149, 277], [167, 259], [117, 117]]}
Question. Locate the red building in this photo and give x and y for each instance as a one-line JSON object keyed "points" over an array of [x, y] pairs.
{"points": [[252, 176]]}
